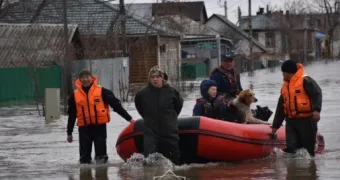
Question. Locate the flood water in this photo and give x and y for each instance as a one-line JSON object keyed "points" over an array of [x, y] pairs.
{"points": [[32, 149]]}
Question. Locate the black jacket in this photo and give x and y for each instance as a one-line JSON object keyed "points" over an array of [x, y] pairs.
{"points": [[108, 98], [314, 92], [159, 108]]}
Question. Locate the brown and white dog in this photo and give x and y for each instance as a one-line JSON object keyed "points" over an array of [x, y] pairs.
{"points": [[242, 104]]}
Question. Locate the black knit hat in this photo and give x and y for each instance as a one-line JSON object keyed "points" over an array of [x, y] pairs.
{"points": [[227, 57], [84, 72], [289, 66]]}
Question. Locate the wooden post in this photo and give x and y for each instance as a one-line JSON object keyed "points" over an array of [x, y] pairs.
{"points": [[225, 9], [66, 69], [122, 13], [250, 41]]}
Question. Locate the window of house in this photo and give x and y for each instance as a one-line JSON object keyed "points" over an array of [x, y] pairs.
{"points": [[162, 48], [270, 40], [255, 36], [228, 50]]}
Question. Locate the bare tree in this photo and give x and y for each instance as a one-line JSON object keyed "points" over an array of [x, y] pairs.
{"points": [[331, 8], [110, 45], [236, 38], [6, 6], [291, 26], [31, 54]]}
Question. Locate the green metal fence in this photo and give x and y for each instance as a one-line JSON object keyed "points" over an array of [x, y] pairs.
{"points": [[194, 70], [26, 85]]}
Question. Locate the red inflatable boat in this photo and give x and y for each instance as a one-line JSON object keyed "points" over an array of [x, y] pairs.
{"points": [[205, 140]]}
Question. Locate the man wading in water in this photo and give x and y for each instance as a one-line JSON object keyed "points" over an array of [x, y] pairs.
{"points": [[89, 104], [300, 104], [159, 104]]}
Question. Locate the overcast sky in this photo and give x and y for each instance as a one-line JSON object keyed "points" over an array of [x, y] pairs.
{"points": [[213, 6]]}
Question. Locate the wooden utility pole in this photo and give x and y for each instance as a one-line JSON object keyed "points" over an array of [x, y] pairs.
{"points": [[305, 40], [250, 40], [66, 70], [225, 9], [122, 13]]}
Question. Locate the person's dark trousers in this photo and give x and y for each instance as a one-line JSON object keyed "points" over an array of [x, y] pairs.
{"points": [[301, 133], [169, 148], [93, 134]]}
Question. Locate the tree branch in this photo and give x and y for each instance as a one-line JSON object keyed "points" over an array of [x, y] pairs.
{"points": [[5, 8], [38, 11]]}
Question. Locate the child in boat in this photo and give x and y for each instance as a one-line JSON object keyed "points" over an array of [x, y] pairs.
{"points": [[210, 104]]}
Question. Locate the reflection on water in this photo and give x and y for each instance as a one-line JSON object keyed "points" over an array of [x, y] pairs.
{"points": [[301, 169], [289, 169], [100, 173], [31, 149]]}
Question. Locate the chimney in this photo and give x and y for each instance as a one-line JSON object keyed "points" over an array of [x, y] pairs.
{"points": [[239, 13], [268, 12], [287, 14], [260, 12]]}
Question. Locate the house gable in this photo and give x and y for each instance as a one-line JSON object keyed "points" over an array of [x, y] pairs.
{"points": [[234, 28], [193, 10]]}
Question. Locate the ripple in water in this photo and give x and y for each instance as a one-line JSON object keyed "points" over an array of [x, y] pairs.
{"points": [[279, 154], [153, 160]]}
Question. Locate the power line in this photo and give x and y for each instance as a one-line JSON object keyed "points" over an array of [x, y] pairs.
{"points": [[237, 2]]}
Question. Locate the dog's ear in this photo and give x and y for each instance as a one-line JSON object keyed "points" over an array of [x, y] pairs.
{"points": [[242, 97]]}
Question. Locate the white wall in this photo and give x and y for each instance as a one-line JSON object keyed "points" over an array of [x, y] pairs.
{"points": [[336, 48], [242, 47], [278, 43], [262, 38], [170, 60]]}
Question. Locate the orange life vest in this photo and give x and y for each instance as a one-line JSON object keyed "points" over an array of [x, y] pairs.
{"points": [[297, 103], [91, 108]]}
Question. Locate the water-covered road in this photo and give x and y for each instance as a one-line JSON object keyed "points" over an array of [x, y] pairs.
{"points": [[32, 149]]}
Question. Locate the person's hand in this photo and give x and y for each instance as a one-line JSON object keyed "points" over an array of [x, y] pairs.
{"points": [[273, 130], [316, 115], [69, 138], [272, 136]]}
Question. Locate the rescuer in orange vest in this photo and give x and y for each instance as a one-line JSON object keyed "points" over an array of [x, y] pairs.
{"points": [[89, 104], [300, 104]]}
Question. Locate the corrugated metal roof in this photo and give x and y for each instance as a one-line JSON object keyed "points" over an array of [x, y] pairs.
{"points": [[192, 10], [137, 10], [32, 45], [237, 29], [93, 17]]}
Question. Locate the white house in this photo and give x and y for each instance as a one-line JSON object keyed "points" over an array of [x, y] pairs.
{"points": [[240, 39]]}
